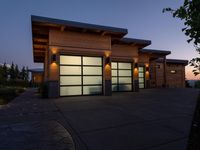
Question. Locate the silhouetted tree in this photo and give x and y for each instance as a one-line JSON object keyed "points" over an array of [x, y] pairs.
{"points": [[1, 74], [23, 73], [16, 72], [189, 12], [5, 72], [26, 74], [12, 72]]}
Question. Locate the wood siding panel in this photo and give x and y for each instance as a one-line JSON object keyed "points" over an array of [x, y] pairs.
{"points": [[124, 51], [81, 40], [143, 58], [176, 80]]}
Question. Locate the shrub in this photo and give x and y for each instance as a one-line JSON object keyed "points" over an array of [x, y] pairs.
{"points": [[9, 93]]}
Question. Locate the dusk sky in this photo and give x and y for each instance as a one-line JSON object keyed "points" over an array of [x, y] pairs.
{"points": [[143, 19]]}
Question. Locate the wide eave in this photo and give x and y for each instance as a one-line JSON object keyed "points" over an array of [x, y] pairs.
{"points": [[42, 25]]}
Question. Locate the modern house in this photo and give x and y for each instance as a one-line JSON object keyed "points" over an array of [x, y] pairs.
{"points": [[87, 59]]}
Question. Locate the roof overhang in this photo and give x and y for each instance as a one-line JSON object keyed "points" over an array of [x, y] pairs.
{"points": [[174, 61], [155, 54], [42, 25], [36, 70], [141, 43]]}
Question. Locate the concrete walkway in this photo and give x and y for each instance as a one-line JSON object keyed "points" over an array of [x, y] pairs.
{"points": [[153, 119]]}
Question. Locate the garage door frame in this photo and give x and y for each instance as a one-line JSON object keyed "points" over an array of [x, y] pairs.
{"points": [[82, 75]]}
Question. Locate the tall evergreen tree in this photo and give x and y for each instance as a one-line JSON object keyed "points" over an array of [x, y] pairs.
{"points": [[16, 72], [23, 73], [12, 72], [1, 74], [5, 72], [26, 74]]}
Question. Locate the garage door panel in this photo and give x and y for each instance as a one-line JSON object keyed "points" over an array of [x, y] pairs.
{"points": [[70, 70], [123, 80], [114, 65], [124, 65], [91, 90], [92, 70], [114, 72], [92, 80], [70, 80], [123, 87], [70, 90], [114, 80], [92, 61], [124, 73], [70, 60], [114, 88]]}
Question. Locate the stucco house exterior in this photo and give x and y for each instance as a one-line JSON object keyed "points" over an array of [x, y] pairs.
{"points": [[87, 59]]}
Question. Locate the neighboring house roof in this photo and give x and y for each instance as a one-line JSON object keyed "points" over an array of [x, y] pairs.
{"points": [[132, 41], [174, 61], [36, 70], [41, 26]]}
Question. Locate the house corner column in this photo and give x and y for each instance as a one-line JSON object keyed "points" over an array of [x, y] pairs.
{"points": [[164, 73], [53, 77], [135, 76], [107, 74], [147, 76]]}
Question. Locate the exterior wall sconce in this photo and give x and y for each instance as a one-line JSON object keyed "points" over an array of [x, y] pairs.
{"points": [[136, 65], [147, 69], [107, 61], [53, 58], [173, 71]]}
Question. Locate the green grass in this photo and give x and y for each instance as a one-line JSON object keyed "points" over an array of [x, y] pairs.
{"points": [[9, 93]]}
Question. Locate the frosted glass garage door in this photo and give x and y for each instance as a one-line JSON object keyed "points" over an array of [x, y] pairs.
{"points": [[80, 75], [141, 78], [121, 76]]}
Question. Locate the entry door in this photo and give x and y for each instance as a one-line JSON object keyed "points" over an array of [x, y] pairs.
{"points": [[141, 77], [80, 75], [121, 76]]}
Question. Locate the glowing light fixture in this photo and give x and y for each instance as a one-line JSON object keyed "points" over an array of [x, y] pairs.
{"points": [[147, 68], [53, 58], [107, 61], [136, 65]]}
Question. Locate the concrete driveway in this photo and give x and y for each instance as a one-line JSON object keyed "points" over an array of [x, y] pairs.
{"points": [[153, 119]]}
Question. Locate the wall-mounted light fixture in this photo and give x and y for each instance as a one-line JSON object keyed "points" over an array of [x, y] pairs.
{"points": [[53, 58], [147, 68], [136, 65], [107, 61], [173, 71]]}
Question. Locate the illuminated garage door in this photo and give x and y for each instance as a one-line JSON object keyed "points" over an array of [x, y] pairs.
{"points": [[121, 76], [80, 75], [141, 78]]}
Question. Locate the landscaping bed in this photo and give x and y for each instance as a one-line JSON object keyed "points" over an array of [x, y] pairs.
{"points": [[9, 93]]}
